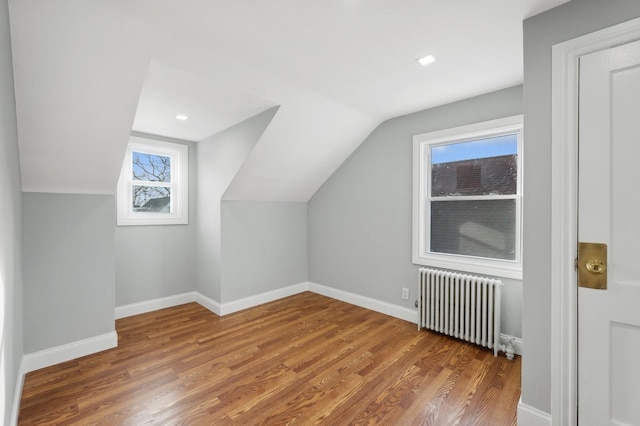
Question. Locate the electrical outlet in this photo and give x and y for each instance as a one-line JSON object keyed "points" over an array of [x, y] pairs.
{"points": [[405, 293]]}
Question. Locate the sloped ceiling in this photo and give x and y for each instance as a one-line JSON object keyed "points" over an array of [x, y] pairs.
{"points": [[88, 72], [211, 107]]}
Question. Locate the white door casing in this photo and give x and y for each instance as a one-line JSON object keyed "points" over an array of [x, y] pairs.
{"points": [[564, 216], [609, 213]]}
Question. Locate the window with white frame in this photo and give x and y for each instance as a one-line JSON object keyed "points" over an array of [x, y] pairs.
{"points": [[153, 184], [467, 198]]}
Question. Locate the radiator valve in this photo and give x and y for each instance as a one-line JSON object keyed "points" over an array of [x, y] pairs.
{"points": [[509, 350]]}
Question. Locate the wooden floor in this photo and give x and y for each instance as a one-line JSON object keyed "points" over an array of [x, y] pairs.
{"points": [[306, 359]]}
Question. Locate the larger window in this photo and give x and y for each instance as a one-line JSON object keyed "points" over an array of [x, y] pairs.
{"points": [[152, 189], [467, 208]]}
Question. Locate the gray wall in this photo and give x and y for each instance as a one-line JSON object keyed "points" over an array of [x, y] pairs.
{"points": [[158, 261], [360, 219], [69, 268], [219, 159], [541, 32], [264, 247], [11, 330]]}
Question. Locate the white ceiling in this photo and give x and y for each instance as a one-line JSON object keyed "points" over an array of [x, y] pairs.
{"points": [[88, 72]]}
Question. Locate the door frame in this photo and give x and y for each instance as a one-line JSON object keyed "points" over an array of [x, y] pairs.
{"points": [[564, 210]]}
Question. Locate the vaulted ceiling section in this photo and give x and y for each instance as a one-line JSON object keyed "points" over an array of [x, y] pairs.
{"points": [[89, 72]]}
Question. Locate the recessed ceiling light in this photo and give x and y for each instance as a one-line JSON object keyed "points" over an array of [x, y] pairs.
{"points": [[182, 117], [426, 60]]}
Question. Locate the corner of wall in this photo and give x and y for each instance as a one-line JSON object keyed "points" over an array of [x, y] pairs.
{"points": [[219, 159]]}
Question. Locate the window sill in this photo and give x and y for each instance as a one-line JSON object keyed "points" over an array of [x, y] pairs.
{"points": [[132, 221]]}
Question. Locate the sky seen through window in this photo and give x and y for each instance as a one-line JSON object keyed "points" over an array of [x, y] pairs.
{"points": [[481, 148]]}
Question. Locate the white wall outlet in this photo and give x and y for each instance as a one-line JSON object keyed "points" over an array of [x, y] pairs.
{"points": [[405, 293]]}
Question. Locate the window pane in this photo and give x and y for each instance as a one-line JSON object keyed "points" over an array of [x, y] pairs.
{"points": [[474, 228], [152, 199], [150, 167], [480, 167]]}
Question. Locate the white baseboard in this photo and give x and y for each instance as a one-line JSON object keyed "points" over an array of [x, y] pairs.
{"points": [[45, 358], [226, 308], [154, 305], [208, 303], [530, 416], [352, 298], [214, 306], [17, 396], [259, 299], [396, 311]]}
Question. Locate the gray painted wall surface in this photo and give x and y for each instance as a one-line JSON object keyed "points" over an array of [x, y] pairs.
{"points": [[69, 268], [11, 329], [264, 247], [219, 159], [541, 32], [158, 261], [360, 219]]}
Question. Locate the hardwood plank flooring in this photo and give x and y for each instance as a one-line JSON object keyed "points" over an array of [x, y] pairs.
{"points": [[305, 360]]}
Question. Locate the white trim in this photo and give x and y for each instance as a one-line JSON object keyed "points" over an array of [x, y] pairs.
{"points": [[564, 211], [530, 416], [17, 395], [227, 308], [214, 306], [208, 303], [396, 311], [154, 305], [259, 299], [56, 355], [421, 253]]}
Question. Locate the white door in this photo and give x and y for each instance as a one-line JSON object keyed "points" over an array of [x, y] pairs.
{"points": [[609, 213]]}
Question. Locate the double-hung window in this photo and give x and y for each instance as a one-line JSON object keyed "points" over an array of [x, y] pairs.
{"points": [[152, 189], [467, 207]]}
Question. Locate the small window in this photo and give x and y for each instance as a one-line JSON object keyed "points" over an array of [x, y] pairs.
{"points": [[152, 189], [468, 198]]}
